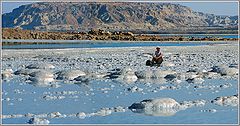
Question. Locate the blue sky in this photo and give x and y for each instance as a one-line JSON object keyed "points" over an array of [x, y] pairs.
{"points": [[218, 8]]}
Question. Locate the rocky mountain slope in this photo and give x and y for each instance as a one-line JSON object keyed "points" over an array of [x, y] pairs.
{"points": [[54, 16]]}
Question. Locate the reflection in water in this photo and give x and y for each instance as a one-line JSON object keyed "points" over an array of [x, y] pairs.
{"points": [[41, 82], [156, 112], [157, 107]]}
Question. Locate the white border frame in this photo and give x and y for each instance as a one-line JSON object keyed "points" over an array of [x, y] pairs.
{"points": [[166, 1]]}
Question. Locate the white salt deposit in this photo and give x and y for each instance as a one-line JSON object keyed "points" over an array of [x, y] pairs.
{"points": [[69, 74], [40, 66], [38, 121]]}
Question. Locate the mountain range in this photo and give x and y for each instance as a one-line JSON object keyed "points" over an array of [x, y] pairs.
{"points": [[118, 16]]}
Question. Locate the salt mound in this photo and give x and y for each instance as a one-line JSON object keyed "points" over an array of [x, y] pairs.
{"points": [[69, 74], [196, 80], [42, 73], [38, 121], [24, 71], [226, 100], [225, 70], [7, 73], [156, 107], [153, 74], [41, 78], [40, 66], [128, 75]]}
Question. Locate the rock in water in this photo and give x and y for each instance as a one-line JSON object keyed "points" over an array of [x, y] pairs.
{"points": [[38, 121], [153, 74], [225, 70], [70, 74], [156, 107], [226, 100], [41, 78], [128, 75], [24, 71], [40, 66]]}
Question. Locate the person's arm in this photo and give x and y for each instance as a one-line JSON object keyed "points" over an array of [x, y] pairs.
{"points": [[160, 56]]}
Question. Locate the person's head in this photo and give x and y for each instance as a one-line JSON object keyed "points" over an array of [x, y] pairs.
{"points": [[158, 48]]}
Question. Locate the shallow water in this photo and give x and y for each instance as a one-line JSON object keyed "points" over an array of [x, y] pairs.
{"points": [[107, 44], [70, 98], [89, 98]]}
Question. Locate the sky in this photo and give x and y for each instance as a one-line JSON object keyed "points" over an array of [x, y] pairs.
{"points": [[218, 8]]}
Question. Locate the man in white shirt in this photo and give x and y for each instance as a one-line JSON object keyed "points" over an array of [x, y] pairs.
{"points": [[157, 57]]}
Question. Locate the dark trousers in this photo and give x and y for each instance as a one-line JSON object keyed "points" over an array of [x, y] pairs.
{"points": [[158, 61]]}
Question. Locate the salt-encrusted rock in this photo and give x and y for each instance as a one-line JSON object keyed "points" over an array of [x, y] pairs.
{"points": [[226, 100], [195, 80], [188, 104], [54, 115], [42, 73], [170, 77], [82, 79], [38, 121], [128, 75], [81, 115], [118, 109], [144, 74], [125, 75], [161, 73], [156, 107], [153, 74], [24, 71], [224, 70], [41, 78], [69, 74], [40, 66], [135, 89], [103, 112], [7, 73]]}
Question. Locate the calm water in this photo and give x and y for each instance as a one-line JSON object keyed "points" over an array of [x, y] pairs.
{"points": [[200, 35], [93, 44], [102, 44], [91, 103]]}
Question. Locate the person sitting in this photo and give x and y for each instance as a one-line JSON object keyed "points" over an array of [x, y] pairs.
{"points": [[157, 57]]}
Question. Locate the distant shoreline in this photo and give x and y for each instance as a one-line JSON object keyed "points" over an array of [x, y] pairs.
{"points": [[15, 36]]}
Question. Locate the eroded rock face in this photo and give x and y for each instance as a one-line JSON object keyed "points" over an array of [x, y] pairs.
{"points": [[69, 74], [111, 15], [226, 100]]}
